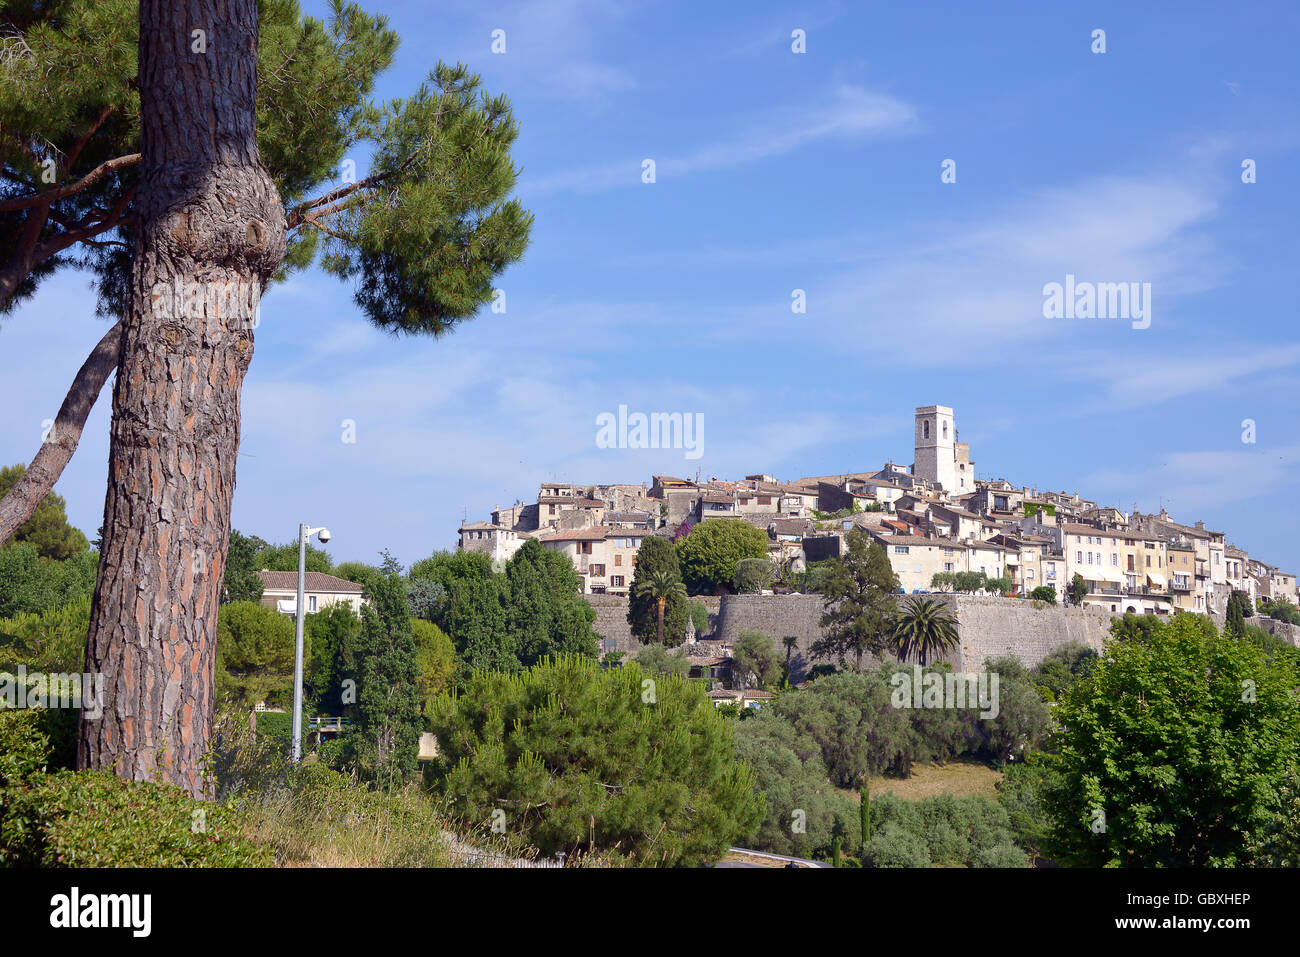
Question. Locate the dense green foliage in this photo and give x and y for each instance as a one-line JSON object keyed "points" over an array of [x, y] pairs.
{"points": [[384, 744], [923, 629], [1281, 610], [1238, 612], [330, 659], [284, 558], [1044, 593], [859, 589], [48, 528], [510, 619], [1077, 590], [94, 819], [1063, 666], [656, 560], [942, 831], [851, 719], [699, 616], [255, 656], [54, 641], [710, 554], [435, 660], [1174, 750], [804, 813], [662, 660], [1022, 793], [32, 585], [575, 758], [89, 819], [240, 581], [753, 575], [659, 587], [755, 662]]}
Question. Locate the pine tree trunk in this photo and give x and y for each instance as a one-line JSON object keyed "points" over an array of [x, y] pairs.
{"points": [[209, 217]]}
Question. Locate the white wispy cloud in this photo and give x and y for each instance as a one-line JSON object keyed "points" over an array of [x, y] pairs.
{"points": [[852, 112], [1198, 481]]}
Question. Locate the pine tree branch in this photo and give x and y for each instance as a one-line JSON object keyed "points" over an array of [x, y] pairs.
{"points": [[303, 211], [329, 232], [20, 502], [53, 195]]}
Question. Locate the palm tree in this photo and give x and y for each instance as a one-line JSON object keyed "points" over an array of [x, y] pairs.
{"points": [[790, 641], [924, 628], [661, 586]]}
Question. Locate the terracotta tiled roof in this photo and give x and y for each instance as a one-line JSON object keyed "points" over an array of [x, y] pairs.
{"points": [[315, 581], [594, 533]]}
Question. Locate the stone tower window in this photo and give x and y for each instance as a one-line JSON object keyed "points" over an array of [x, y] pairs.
{"points": [[945, 430], [925, 429]]}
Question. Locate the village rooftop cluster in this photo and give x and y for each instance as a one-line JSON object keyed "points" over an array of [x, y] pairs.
{"points": [[931, 517]]}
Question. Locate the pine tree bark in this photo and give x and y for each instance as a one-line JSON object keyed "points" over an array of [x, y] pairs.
{"points": [[209, 217]]}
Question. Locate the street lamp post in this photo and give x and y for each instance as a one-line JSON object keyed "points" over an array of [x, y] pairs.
{"points": [[304, 532]]}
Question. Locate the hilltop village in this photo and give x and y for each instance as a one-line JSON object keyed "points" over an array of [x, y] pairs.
{"points": [[932, 517]]}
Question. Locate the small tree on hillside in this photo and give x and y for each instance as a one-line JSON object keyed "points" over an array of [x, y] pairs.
{"points": [[710, 553], [860, 603], [1078, 590], [654, 556], [753, 575], [580, 759], [1237, 612], [1044, 593], [754, 660]]}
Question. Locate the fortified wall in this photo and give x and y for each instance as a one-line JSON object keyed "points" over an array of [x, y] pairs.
{"points": [[986, 627]]}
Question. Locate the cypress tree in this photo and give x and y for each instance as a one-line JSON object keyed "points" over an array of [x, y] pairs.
{"points": [[385, 745], [864, 811]]}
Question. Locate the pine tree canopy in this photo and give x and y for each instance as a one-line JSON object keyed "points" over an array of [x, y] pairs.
{"points": [[422, 233]]}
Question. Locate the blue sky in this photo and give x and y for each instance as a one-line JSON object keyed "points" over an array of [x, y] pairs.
{"points": [[817, 171]]}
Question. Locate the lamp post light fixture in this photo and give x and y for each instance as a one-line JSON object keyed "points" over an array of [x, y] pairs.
{"points": [[304, 532]]}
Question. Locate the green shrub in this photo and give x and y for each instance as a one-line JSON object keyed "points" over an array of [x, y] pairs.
{"points": [[578, 758], [1063, 666], [53, 641], [1021, 792], [803, 812], [278, 726], [699, 613], [94, 819], [753, 575], [1282, 610], [944, 831], [896, 847], [36, 739], [1005, 854], [24, 745]]}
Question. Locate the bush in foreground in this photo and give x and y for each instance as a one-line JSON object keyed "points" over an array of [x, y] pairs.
{"points": [[1175, 751], [572, 758]]}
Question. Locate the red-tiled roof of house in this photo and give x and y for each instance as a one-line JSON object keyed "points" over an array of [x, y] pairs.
{"points": [[315, 581], [594, 533]]}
